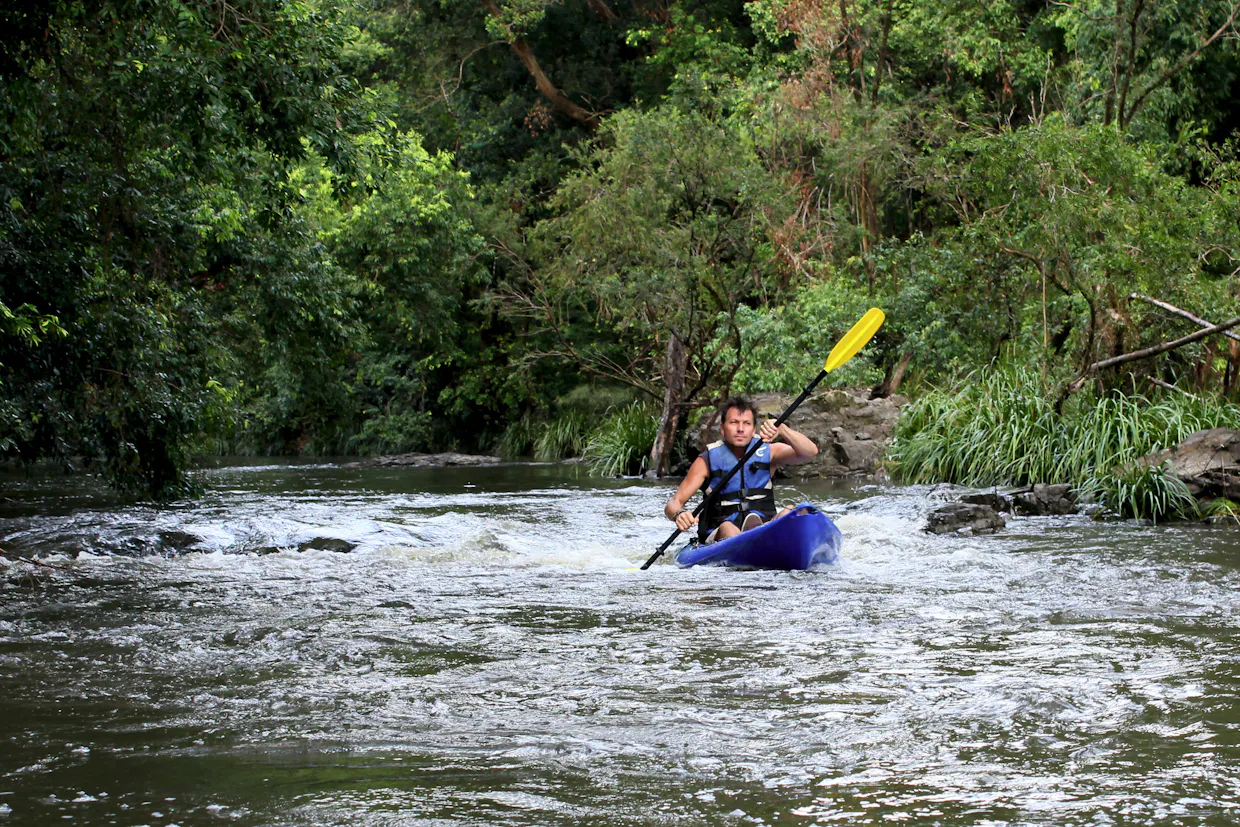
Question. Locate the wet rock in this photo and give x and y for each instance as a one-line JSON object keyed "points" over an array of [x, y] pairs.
{"points": [[179, 542], [416, 460], [964, 518], [992, 499], [327, 544], [1207, 461], [1044, 500]]}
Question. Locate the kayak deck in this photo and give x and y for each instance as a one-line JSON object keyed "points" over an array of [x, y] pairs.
{"points": [[799, 540]]}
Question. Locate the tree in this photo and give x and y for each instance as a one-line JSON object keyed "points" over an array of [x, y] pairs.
{"points": [[143, 195], [657, 242]]}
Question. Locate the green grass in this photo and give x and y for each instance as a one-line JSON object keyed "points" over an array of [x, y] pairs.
{"points": [[621, 444], [518, 438], [1001, 428], [563, 437]]}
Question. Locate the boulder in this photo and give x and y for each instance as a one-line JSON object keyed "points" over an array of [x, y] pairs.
{"points": [[964, 518], [851, 430], [1044, 500], [991, 499], [1207, 461]]}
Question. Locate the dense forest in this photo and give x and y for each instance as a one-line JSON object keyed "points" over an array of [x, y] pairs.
{"points": [[567, 226]]}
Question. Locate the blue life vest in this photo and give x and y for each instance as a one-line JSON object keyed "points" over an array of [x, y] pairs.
{"points": [[749, 490]]}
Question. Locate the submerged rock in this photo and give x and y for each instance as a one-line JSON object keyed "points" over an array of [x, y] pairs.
{"points": [[416, 460], [964, 518], [172, 543], [327, 544]]}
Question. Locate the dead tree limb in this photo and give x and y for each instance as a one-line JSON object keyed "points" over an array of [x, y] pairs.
{"points": [[17, 558], [1079, 383], [1160, 383], [1183, 314]]}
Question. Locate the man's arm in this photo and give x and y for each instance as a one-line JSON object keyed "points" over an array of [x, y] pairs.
{"points": [[795, 448], [675, 508]]}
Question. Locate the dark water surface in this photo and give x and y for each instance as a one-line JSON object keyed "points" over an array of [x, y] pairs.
{"points": [[489, 656]]}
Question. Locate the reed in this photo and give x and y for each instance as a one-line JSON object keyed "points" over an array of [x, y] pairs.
{"points": [[1001, 428], [563, 437], [621, 444], [518, 438]]}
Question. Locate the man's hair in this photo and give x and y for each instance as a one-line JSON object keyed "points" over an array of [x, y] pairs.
{"points": [[741, 403]]}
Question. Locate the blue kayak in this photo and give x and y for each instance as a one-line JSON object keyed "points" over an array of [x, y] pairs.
{"points": [[802, 538]]}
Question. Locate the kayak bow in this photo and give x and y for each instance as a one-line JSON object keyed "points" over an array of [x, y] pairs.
{"points": [[801, 539]]}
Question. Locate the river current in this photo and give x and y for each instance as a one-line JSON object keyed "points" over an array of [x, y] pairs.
{"points": [[489, 654]]}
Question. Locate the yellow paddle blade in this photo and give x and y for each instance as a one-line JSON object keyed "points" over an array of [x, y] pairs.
{"points": [[855, 339]]}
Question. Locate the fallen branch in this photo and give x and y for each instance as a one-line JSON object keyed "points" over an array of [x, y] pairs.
{"points": [[1183, 314], [1079, 383], [19, 559], [1160, 383]]}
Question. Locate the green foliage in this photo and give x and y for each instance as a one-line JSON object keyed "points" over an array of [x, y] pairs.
{"points": [[1150, 492], [1001, 427], [786, 346], [621, 444], [564, 436], [519, 438], [144, 205], [278, 226]]}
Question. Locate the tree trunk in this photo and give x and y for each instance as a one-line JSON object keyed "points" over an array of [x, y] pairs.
{"points": [[674, 367], [548, 89], [895, 375]]}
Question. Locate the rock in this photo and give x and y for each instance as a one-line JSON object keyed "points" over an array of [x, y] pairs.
{"points": [[964, 518], [990, 499], [179, 542], [1044, 500], [851, 430], [327, 544], [1207, 461], [416, 460]]}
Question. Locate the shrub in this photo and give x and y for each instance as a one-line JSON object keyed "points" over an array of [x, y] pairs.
{"points": [[621, 444], [1001, 427]]}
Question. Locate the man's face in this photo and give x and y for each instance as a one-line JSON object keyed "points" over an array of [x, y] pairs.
{"points": [[737, 427]]}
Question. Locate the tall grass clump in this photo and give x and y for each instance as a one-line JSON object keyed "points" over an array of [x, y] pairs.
{"points": [[621, 444], [563, 437], [518, 438], [1001, 428]]}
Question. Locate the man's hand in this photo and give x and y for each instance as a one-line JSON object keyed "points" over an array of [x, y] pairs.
{"points": [[685, 520], [768, 432]]}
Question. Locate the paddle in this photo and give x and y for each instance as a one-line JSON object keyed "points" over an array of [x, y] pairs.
{"points": [[845, 349]]}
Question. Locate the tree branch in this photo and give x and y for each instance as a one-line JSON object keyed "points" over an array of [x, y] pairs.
{"points": [[1126, 119], [1079, 383], [548, 89], [1184, 314]]}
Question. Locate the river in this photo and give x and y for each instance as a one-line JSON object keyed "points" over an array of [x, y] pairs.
{"points": [[489, 654]]}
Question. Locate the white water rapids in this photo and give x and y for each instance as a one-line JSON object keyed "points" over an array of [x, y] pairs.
{"points": [[489, 655]]}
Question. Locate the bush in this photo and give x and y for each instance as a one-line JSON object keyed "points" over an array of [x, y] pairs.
{"points": [[563, 437], [621, 444], [1001, 428]]}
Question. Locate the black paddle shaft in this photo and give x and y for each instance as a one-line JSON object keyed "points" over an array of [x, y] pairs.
{"points": [[752, 448]]}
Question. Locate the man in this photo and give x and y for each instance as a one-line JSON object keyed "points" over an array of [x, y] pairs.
{"points": [[747, 500]]}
